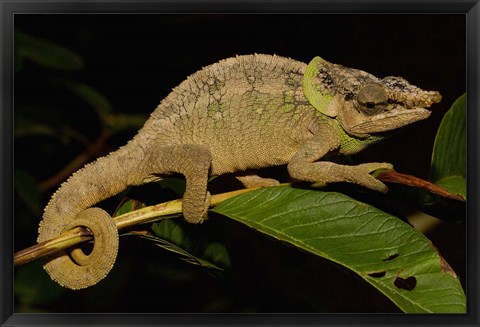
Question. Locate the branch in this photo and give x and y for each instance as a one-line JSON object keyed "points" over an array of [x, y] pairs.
{"points": [[141, 216], [164, 210]]}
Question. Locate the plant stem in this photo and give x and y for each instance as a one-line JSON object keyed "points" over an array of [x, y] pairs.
{"points": [[141, 216]]}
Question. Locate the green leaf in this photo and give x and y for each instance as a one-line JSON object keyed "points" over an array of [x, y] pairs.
{"points": [[179, 237], [46, 53], [217, 252], [180, 252], [454, 184], [189, 242], [171, 231], [128, 205], [386, 252], [449, 150]]}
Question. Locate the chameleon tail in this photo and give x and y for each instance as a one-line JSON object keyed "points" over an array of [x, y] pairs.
{"points": [[78, 270], [71, 206]]}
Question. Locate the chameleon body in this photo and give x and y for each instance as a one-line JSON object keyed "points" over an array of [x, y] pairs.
{"points": [[241, 113]]}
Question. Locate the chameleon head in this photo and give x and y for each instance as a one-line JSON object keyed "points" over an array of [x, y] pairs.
{"points": [[363, 103]]}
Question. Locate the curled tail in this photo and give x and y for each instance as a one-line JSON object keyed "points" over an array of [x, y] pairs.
{"points": [[70, 207], [76, 270]]}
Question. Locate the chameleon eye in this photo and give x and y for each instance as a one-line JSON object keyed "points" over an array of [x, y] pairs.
{"points": [[372, 99]]}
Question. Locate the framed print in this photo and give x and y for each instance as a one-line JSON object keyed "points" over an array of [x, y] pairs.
{"points": [[346, 132]]}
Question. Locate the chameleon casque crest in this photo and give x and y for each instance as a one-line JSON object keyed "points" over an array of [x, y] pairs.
{"points": [[240, 113]]}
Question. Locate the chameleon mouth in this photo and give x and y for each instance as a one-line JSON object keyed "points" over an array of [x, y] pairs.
{"points": [[407, 115], [400, 113], [392, 119]]}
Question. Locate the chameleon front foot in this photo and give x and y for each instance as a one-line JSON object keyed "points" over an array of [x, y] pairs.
{"points": [[77, 270]]}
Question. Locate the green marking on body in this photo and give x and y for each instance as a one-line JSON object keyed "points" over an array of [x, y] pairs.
{"points": [[350, 144], [288, 103]]}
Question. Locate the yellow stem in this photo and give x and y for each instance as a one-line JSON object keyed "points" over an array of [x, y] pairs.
{"points": [[141, 216]]}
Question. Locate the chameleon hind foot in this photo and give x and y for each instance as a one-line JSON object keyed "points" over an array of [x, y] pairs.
{"points": [[249, 181], [77, 270]]}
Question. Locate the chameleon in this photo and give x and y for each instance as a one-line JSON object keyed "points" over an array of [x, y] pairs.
{"points": [[241, 113]]}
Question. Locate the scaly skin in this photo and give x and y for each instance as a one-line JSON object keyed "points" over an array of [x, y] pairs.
{"points": [[241, 113]]}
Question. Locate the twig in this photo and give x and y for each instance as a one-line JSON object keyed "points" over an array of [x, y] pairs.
{"points": [[141, 216], [158, 212], [405, 179]]}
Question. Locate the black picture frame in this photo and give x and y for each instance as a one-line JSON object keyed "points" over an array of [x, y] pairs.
{"points": [[8, 8]]}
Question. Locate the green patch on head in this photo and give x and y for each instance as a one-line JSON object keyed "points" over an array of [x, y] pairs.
{"points": [[318, 96]]}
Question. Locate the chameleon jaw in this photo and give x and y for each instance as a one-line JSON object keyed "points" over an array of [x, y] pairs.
{"points": [[390, 120]]}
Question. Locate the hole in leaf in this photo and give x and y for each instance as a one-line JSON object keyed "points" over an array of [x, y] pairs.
{"points": [[377, 274], [391, 257], [405, 283]]}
